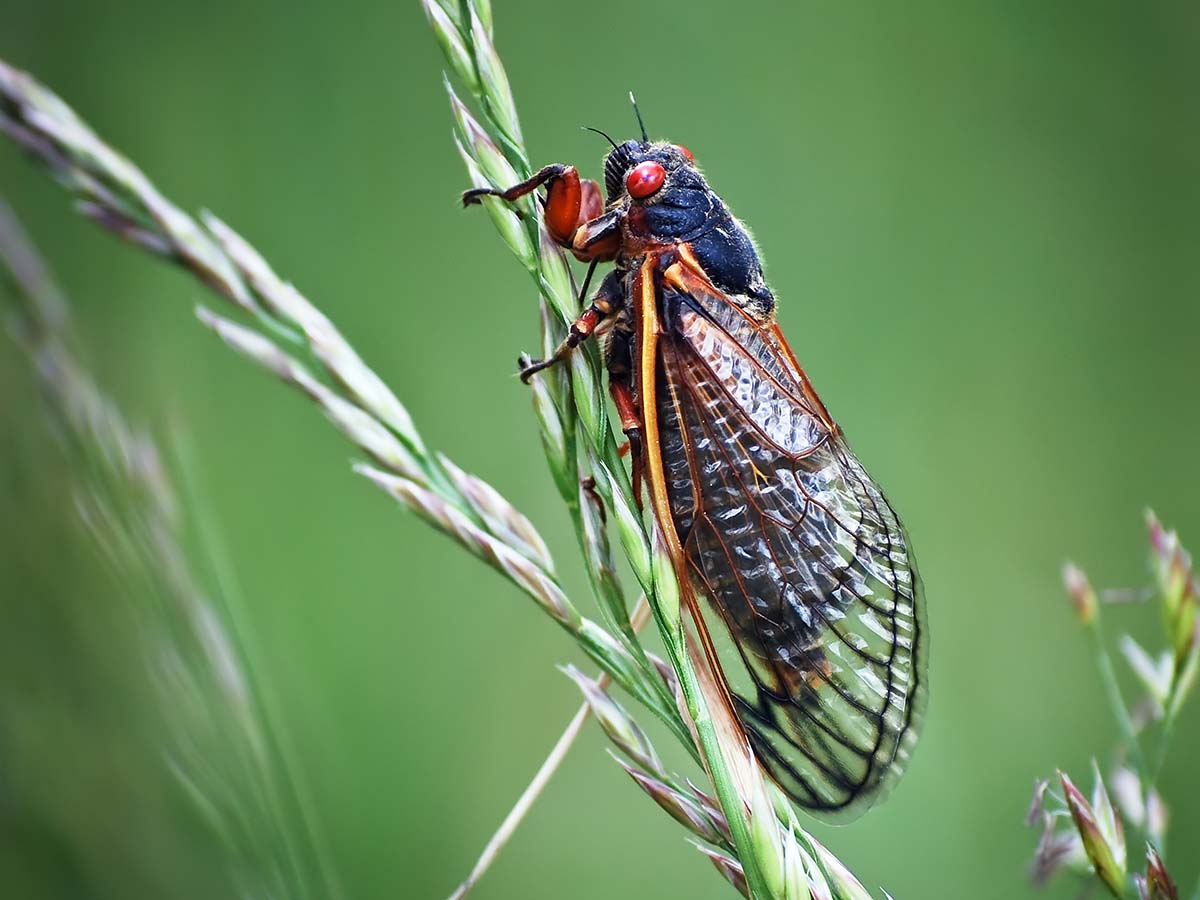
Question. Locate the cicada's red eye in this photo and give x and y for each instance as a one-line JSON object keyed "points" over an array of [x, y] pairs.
{"points": [[644, 179], [687, 154]]}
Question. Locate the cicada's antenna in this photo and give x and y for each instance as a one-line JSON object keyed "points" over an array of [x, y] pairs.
{"points": [[602, 134], [637, 112]]}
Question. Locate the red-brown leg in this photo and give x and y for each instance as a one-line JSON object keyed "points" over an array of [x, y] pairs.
{"points": [[574, 211], [564, 199], [520, 189], [631, 424], [606, 301], [581, 330]]}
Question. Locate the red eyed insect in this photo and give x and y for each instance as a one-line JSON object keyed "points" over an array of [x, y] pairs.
{"points": [[771, 518]]}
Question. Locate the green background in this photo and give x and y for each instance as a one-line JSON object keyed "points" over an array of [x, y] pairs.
{"points": [[980, 220]]}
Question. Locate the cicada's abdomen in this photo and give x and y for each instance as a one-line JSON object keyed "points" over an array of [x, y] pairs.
{"points": [[804, 565]]}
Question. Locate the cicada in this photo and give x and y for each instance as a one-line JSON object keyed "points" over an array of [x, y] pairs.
{"points": [[803, 569]]}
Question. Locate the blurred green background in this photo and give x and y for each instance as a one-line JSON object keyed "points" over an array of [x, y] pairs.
{"points": [[980, 220]]}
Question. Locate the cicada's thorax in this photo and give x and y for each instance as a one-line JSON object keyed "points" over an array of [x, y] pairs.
{"points": [[687, 211]]}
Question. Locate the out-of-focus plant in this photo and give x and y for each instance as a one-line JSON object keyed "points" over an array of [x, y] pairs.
{"points": [[1096, 836], [224, 750]]}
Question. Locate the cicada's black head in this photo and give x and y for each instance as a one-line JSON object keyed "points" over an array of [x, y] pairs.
{"points": [[667, 200], [658, 165], [663, 179]]}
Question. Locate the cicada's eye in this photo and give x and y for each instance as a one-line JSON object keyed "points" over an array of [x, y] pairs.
{"points": [[644, 179], [687, 154]]}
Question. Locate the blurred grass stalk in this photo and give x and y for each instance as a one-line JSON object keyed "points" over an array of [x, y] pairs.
{"points": [[223, 746], [748, 831], [1099, 832]]}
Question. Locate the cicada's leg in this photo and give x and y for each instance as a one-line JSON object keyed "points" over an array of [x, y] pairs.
{"points": [[619, 359], [609, 298], [521, 188], [574, 211], [588, 484]]}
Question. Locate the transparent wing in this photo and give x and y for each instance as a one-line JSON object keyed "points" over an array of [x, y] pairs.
{"points": [[805, 565]]}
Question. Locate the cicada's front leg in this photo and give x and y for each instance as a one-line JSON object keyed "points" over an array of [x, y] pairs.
{"points": [[575, 219], [573, 211], [609, 298]]}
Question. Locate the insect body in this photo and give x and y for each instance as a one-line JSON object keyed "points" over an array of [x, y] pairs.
{"points": [[802, 562]]}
